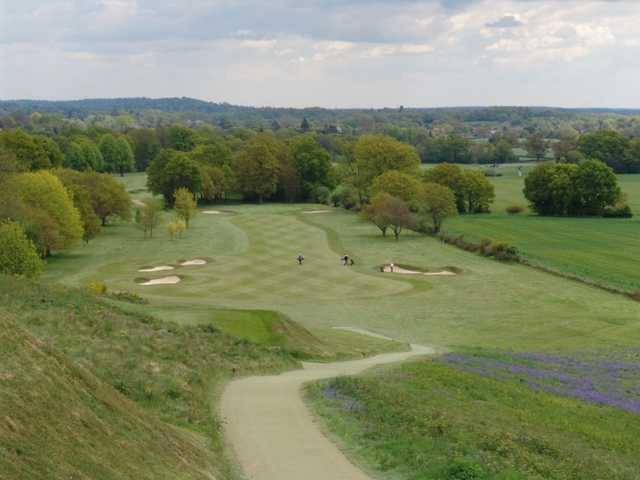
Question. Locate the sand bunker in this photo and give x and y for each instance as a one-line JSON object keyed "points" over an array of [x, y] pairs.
{"points": [[194, 262], [316, 211], [213, 212], [138, 203], [161, 268], [404, 271], [171, 280]]}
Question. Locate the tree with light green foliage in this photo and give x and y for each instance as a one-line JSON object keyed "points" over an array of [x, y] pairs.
{"points": [[397, 184], [45, 209], [18, 255], [149, 216], [377, 154], [185, 205], [117, 154], [437, 203]]}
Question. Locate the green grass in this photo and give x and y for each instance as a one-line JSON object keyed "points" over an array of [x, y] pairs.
{"points": [[426, 420], [253, 267], [171, 371], [605, 251], [60, 422], [273, 329]]}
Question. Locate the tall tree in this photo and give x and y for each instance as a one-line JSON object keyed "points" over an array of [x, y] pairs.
{"points": [[376, 154], [145, 146], [537, 146], [312, 162], [437, 203], [388, 212], [257, 166], [149, 216], [171, 170], [397, 184]]}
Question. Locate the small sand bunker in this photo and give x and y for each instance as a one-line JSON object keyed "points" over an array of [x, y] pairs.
{"points": [[161, 268], [405, 271], [138, 203], [194, 262], [213, 212], [170, 280], [312, 212]]}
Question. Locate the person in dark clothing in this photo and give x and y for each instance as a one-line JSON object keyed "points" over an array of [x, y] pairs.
{"points": [[351, 262], [300, 259]]}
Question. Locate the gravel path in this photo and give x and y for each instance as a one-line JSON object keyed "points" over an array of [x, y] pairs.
{"points": [[272, 433]]}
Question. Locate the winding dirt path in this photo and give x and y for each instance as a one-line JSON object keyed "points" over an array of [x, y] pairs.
{"points": [[274, 435]]}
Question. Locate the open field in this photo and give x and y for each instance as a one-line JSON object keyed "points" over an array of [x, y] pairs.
{"points": [[252, 266], [428, 420], [606, 251]]}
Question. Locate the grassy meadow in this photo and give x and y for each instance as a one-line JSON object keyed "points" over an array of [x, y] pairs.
{"points": [[426, 420], [605, 251]]}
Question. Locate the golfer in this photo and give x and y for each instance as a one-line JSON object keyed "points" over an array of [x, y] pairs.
{"points": [[300, 259]]}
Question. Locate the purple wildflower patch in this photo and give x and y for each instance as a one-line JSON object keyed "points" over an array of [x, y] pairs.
{"points": [[600, 378]]}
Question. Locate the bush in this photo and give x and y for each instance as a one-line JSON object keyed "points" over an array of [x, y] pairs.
{"points": [[487, 248], [618, 211], [464, 470], [514, 209], [97, 287], [18, 254], [345, 196], [130, 297]]}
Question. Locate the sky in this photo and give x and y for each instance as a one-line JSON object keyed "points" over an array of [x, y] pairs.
{"points": [[328, 53]]}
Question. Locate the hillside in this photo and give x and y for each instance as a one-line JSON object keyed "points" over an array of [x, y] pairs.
{"points": [[59, 421], [169, 371]]}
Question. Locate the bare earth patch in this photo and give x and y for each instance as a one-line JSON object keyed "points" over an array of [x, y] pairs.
{"points": [[161, 268], [170, 280], [194, 262]]}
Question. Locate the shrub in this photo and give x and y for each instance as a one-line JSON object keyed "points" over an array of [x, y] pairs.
{"points": [[18, 254], [514, 209], [130, 297], [618, 211], [97, 287], [462, 469]]}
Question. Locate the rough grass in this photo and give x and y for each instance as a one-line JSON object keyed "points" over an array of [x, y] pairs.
{"points": [[59, 422], [602, 250], [170, 370], [427, 420]]}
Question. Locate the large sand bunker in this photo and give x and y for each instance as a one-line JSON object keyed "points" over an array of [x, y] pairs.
{"points": [[161, 268], [405, 271], [194, 262], [170, 280]]}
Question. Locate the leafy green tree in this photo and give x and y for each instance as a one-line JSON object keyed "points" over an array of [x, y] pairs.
{"points": [[400, 185], [257, 166], [45, 208], [83, 154], [596, 187], [213, 154], [30, 153], [108, 196], [145, 146], [185, 205], [569, 189], [150, 216], [74, 183], [18, 255], [117, 154], [344, 196], [503, 152], [609, 147], [171, 170], [51, 149], [313, 164], [180, 138], [388, 212], [437, 203], [479, 193], [217, 182], [537, 146], [376, 154], [451, 176]]}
